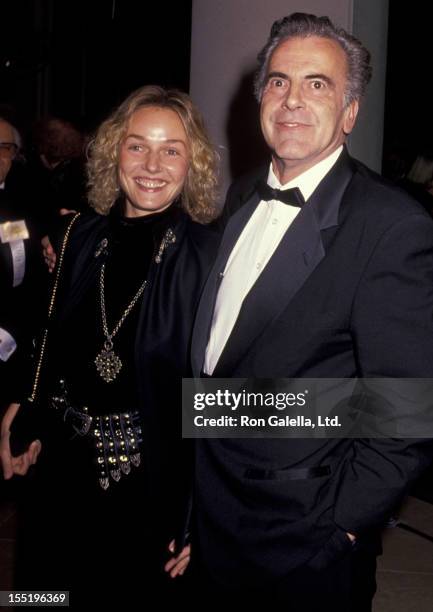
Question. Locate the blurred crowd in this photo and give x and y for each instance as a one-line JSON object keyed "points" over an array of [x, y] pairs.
{"points": [[42, 178]]}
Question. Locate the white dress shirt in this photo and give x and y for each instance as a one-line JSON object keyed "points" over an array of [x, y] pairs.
{"points": [[252, 251]]}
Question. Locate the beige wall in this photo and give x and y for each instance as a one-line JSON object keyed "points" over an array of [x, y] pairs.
{"points": [[370, 24]]}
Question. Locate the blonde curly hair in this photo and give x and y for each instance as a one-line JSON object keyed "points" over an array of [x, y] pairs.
{"points": [[198, 197]]}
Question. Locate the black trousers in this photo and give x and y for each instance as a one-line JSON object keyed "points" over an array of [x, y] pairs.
{"points": [[348, 585]]}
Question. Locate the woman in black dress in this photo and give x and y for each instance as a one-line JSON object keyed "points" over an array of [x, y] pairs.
{"points": [[111, 485]]}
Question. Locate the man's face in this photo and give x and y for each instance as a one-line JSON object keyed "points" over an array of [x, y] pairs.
{"points": [[7, 153], [302, 114], [153, 161]]}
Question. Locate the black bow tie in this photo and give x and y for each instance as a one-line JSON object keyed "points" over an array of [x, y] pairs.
{"points": [[292, 196]]}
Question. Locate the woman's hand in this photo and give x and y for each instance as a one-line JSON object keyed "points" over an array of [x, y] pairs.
{"points": [[177, 565], [49, 253], [15, 465]]}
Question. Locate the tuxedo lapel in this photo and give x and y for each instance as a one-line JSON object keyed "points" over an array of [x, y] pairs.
{"points": [[296, 257], [204, 316]]}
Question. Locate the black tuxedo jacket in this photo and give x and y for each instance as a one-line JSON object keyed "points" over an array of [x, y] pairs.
{"points": [[347, 293], [21, 307]]}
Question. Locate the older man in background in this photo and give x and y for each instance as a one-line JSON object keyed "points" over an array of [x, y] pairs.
{"points": [[21, 272]]}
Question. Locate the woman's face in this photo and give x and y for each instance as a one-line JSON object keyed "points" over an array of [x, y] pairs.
{"points": [[153, 161]]}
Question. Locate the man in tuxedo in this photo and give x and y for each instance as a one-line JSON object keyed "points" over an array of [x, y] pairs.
{"points": [[324, 271], [21, 270]]}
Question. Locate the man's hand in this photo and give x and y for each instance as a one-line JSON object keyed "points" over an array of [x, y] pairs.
{"points": [[15, 465], [49, 253], [177, 565]]}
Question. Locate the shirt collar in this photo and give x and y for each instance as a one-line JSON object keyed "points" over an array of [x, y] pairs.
{"points": [[308, 180]]}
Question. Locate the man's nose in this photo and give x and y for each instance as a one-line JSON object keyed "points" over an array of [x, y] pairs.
{"points": [[294, 97]]}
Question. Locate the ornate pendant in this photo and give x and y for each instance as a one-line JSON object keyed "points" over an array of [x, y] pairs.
{"points": [[108, 363]]}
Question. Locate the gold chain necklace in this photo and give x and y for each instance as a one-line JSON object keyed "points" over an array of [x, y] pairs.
{"points": [[107, 362]]}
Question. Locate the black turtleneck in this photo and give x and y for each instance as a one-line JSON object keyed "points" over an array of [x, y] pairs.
{"points": [[132, 245]]}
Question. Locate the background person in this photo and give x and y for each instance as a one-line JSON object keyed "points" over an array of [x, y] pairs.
{"points": [[22, 276]]}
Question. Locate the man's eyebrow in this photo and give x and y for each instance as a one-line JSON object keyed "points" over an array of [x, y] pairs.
{"points": [[275, 74], [321, 77]]}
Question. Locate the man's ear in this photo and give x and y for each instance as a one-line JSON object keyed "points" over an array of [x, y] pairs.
{"points": [[350, 114]]}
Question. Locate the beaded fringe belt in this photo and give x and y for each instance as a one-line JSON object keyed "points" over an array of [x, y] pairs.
{"points": [[116, 437]]}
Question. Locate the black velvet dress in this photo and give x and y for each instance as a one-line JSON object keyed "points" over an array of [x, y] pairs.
{"points": [[110, 545]]}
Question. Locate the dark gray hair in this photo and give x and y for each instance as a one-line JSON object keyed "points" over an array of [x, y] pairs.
{"points": [[302, 25]]}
